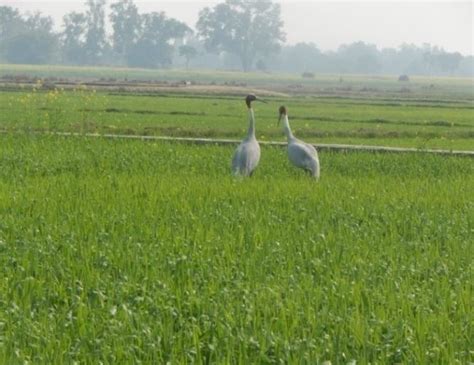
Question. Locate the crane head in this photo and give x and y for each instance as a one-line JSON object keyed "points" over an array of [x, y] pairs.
{"points": [[249, 99], [283, 112], [252, 97]]}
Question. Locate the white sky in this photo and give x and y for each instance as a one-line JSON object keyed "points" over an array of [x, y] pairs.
{"points": [[448, 24]]}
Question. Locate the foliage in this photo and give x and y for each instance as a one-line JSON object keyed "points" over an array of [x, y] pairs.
{"points": [[83, 38], [188, 52], [126, 24], [11, 25], [73, 38], [245, 34], [245, 28], [95, 38], [363, 58], [155, 46], [27, 39], [30, 48]]}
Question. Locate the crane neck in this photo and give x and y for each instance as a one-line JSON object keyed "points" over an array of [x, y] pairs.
{"points": [[251, 130], [287, 129]]}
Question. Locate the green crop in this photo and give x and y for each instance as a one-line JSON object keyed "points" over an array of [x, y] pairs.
{"points": [[371, 122], [126, 252]]}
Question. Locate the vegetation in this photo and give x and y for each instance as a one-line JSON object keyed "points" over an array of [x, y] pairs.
{"points": [[121, 251], [153, 40], [124, 251], [243, 28], [435, 113], [188, 52]]}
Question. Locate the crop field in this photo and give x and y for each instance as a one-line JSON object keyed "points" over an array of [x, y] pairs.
{"points": [[123, 251], [368, 110]]}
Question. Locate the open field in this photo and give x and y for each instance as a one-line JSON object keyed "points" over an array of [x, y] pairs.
{"points": [[322, 84], [124, 251], [371, 110]]}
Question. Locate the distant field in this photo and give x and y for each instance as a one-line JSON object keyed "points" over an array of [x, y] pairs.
{"points": [[365, 86], [124, 251], [420, 123]]}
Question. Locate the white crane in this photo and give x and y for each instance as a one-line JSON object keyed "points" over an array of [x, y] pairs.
{"points": [[301, 154], [247, 155]]}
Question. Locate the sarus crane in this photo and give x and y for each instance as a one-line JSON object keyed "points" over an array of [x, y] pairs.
{"points": [[301, 154], [247, 154]]}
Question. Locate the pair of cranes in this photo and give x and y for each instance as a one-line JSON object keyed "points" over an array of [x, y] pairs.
{"points": [[247, 154]]}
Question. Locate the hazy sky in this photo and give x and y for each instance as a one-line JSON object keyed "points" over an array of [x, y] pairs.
{"points": [[448, 24]]}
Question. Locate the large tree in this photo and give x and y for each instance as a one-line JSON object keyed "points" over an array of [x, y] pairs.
{"points": [[156, 43], [126, 25], [11, 24], [73, 38], [246, 28], [27, 39], [84, 38], [95, 41]]}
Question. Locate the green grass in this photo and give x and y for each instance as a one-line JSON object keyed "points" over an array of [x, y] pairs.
{"points": [[119, 251], [124, 251], [430, 124]]}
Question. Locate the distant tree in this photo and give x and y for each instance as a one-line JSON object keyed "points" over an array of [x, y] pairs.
{"points": [[95, 41], [232, 34], [202, 59], [30, 48], [26, 39], [188, 52], [245, 28], [359, 57], [303, 57], [448, 62], [39, 24], [126, 25], [11, 24], [466, 66], [410, 59], [73, 38], [155, 44], [261, 65]]}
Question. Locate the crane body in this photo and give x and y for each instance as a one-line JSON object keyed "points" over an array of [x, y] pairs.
{"points": [[247, 154], [300, 154]]}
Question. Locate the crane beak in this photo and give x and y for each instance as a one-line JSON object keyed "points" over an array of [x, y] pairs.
{"points": [[263, 101], [279, 120]]}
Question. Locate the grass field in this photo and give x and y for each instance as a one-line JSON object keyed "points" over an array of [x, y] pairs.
{"points": [[406, 123], [434, 87], [124, 251], [121, 251]]}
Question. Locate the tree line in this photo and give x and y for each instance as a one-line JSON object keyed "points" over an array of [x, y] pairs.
{"points": [[234, 34]]}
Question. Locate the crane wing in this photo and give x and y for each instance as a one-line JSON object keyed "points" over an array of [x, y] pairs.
{"points": [[302, 155], [246, 158]]}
